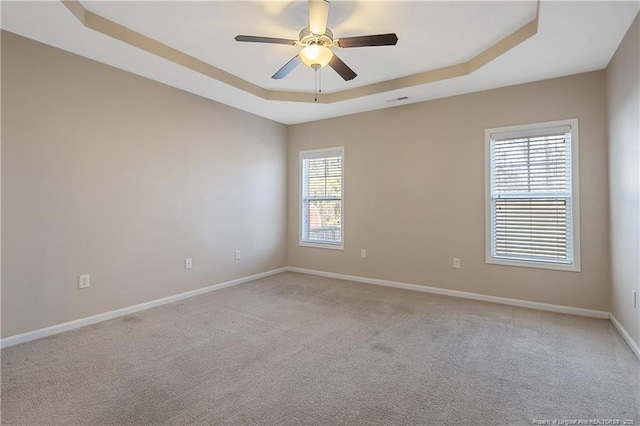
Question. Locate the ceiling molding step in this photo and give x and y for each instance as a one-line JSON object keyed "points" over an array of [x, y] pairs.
{"points": [[76, 8], [112, 29]]}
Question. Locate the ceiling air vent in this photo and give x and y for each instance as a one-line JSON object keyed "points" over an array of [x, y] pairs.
{"points": [[401, 98]]}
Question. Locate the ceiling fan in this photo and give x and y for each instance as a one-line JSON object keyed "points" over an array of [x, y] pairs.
{"points": [[317, 40]]}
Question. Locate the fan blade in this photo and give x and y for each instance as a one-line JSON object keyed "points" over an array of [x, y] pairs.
{"points": [[273, 40], [341, 68], [318, 16], [288, 67], [369, 40]]}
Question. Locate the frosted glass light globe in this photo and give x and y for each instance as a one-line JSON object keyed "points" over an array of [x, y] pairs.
{"points": [[316, 55]]}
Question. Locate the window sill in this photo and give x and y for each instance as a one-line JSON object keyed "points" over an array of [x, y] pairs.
{"points": [[322, 246], [574, 267]]}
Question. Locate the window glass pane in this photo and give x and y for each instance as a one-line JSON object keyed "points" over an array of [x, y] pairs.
{"points": [[324, 221], [531, 165], [531, 228]]}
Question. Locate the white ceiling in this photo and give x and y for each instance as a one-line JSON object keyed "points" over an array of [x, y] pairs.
{"points": [[572, 37]]}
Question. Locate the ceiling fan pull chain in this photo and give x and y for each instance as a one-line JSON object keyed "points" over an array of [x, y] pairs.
{"points": [[315, 80], [320, 81]]}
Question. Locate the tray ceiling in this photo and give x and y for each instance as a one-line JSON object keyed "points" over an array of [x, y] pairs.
{"points": [[569, 37]]}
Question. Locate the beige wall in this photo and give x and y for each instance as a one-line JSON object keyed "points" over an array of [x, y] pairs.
{"points": [[623, 97], [415, 195], [1, 33], [109, 174]]}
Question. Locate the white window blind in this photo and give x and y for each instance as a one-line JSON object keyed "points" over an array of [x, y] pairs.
{"points": [[321, 197], [531, 195]]}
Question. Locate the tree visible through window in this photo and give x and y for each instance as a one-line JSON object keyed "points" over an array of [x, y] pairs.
{"points": [[321, 197]]}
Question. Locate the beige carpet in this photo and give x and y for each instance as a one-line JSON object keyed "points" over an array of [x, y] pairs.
{"points": [[296, 349]]}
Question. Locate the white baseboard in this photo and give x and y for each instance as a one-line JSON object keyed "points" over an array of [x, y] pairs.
{"points": [[463, 294], [633, 345], [60, 328]]}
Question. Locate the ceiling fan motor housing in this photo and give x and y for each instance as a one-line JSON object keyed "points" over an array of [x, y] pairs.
{"points": [[307, 38]]}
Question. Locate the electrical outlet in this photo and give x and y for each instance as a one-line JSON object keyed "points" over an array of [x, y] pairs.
{"points": [[456, 262], [363, 253], [635, 298], [83, 281], [237, 254], [188, 263]]}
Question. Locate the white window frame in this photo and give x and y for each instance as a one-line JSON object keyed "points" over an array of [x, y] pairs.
{"points": [[575, 266], [328, 244]]}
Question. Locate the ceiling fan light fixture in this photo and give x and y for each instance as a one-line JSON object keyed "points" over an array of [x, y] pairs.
{"points": [[316, 42], [316, 55]]}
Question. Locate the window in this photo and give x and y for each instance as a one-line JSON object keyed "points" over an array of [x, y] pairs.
{"points": [[321, 198], [532, 206]]}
